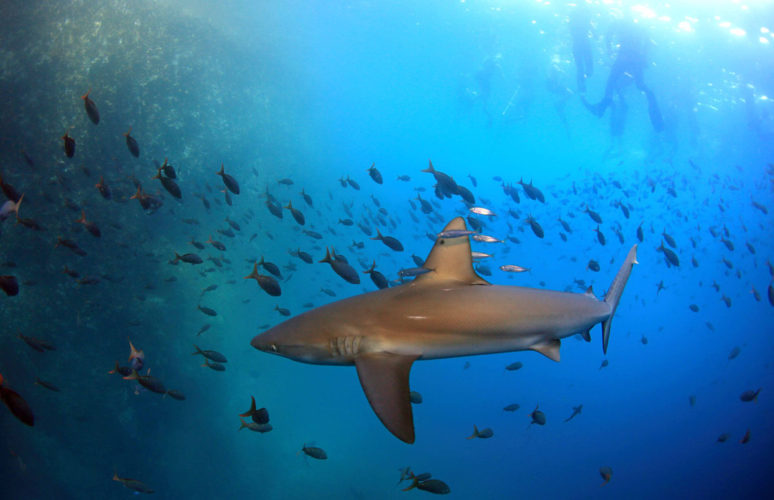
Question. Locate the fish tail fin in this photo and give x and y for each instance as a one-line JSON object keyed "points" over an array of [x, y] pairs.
{"points": [[16, 206], [413, 485], [134, 352], [114, 370], [197, 351], [243, 423], [126, 134], [254, 273], [429, 169], [84, 96], [615, 291], [220, 172], [251, 410], [327, 257], [475, 433]]}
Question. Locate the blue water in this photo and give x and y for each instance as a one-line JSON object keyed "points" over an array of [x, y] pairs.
{"points": [[318, 91]]}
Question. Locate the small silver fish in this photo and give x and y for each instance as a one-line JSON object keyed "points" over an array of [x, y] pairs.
{"points": [[511, 268], [482, 211], [483, 238], [454, 233], [480, 255], [413, 271]]}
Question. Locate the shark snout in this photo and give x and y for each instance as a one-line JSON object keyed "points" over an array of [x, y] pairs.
{"points": [[265, 343], [259, 343]]}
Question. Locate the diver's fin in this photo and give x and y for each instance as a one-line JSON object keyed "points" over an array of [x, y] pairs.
{"points": [[654, 112], [613, 294], [450, 259], [549, 349], [385, 381]]}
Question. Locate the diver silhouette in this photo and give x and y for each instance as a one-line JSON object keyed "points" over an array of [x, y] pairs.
{"points": [[483, 78], [580, 25], [629, 65]]}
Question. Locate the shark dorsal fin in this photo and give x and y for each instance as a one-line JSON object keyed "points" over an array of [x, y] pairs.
{"points": [[450, 259], [385, 380]]}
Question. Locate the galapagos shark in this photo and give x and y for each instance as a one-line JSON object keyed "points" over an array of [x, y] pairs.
{"points": [[447, 312]]}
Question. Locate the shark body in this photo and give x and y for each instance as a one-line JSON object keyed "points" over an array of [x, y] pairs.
{"points": [[447, 312]]}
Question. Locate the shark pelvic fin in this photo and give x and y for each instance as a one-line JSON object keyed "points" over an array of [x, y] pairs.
{"points": [[450, 259], [385, 381], [549, 349]]}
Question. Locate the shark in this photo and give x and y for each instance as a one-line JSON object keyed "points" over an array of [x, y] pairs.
{"points": [[446, 312]]}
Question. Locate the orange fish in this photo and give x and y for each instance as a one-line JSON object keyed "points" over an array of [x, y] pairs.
{"points": [[91, 108], [89, 225], [133, 484], [131, 143], [69, 145], [103, 188], [140, 196], [606, 473]]}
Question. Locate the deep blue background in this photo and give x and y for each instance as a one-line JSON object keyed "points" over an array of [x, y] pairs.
{"points": [[314, 92]]}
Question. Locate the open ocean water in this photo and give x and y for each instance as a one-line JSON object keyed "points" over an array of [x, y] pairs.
{"points": [[655, 118]]}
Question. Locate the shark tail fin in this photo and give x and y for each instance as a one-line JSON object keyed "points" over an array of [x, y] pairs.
{"points": [[615, 291]]}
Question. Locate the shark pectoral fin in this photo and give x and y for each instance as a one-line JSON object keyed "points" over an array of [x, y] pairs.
{"points": [[549, 349], [385, 381]]}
